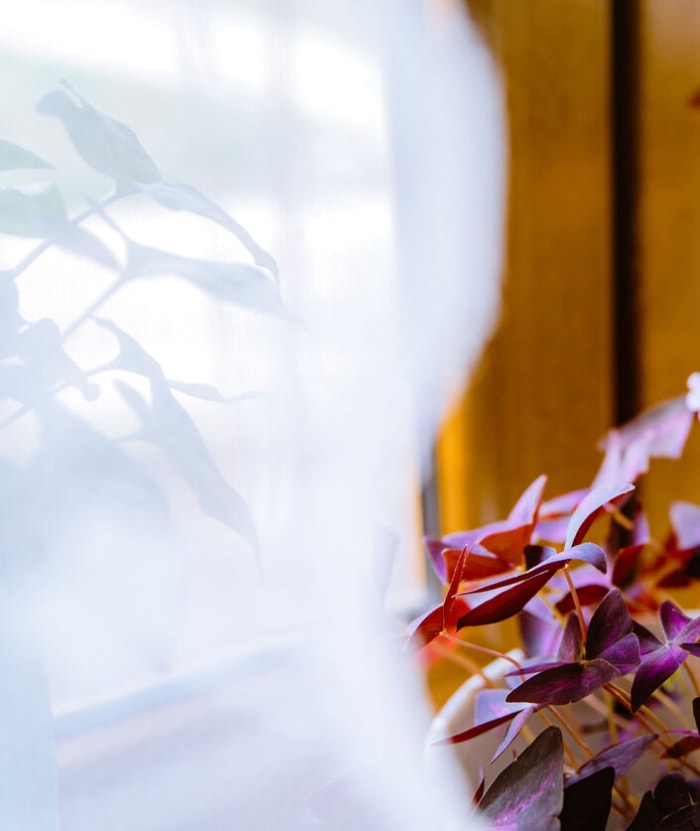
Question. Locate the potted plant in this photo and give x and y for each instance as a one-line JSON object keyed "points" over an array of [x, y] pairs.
{"points": [[595, 722]]}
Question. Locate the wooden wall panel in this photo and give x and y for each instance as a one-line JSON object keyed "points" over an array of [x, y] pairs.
{"points": [[542, 396], [669, 226]]}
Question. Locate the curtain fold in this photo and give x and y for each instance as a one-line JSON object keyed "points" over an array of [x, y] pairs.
{"points": [[219, 390]]}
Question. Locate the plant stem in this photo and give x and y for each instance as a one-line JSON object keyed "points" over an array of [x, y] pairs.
{"points": [[693, 679], [471, 666], [620, 518], [483, 649], [577, 602], [623, 698], [36, 252], [572, 733]]}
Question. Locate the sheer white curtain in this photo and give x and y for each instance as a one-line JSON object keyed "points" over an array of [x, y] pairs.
{"points": [[202, 497]]}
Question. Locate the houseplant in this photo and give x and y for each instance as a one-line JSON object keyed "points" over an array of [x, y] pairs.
{"points": [[601, 707]]}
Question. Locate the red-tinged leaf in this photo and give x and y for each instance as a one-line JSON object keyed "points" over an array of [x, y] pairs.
{"points": [[610, 622], [453, 588], [588, 595], [477, 729], [508, 544], [625, 564], [587, 802], [479, 792], [477, 567], [526, 508], [454, 612], [426, 628], [685, 521], [467, 539], [620, 757], [515, 579], [565, 684], [586, 552], [506, 603], [529, 793], [591, 507], [654, 669], [674, 580], [682, 747]]}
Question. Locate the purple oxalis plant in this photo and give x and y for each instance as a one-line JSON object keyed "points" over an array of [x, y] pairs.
{"points": [[601, 704]]}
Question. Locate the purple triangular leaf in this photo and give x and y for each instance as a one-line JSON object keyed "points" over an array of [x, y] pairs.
{"points": [[689, 632], [624, 654], [491, 703], [648, 642], [571, 644], [673, 620], [621, 757], [587, 802], [654, 669], [610, 622], [565, 684], [696, 712], [513, 729], [529, 793], [672, 794], [531, 669], [590, 507]]}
